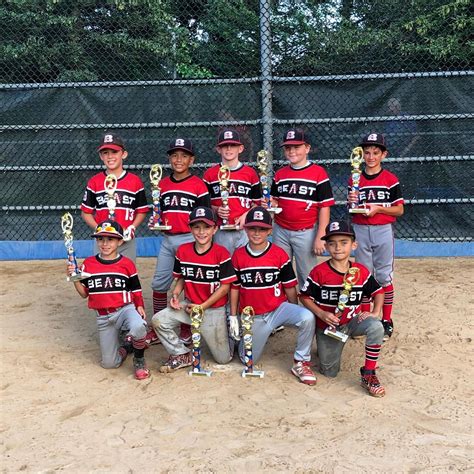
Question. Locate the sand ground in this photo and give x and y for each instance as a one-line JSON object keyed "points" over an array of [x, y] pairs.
{"points": [[60, 411]]}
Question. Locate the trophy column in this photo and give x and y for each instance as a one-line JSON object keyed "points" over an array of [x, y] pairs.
{"points": [[262, 166], [247, 321], [197, 314], [357, 158], [110, 186], [224, 177], [156, 173]]}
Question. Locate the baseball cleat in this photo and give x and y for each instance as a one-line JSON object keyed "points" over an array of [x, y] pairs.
{"points": [[151, 338], [303, 372], [388, 329], [185, 335], [177, 362], [141, 370], [371, 383]]}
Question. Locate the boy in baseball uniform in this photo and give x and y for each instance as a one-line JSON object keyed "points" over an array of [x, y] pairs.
{"points": [[204, 272], [113, 290], [323, 293], [266, 281], [380, 192]]}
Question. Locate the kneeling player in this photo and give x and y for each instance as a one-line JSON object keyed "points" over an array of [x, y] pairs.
{"points": [[205, 272], [321, 294], [266, 281]]}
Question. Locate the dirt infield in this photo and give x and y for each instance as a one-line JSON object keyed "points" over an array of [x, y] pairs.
{"points": [[62, 412]]}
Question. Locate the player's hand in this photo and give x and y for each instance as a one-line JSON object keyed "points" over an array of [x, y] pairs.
{"points": [[174, 302], [373, 209], [329, 318], [353, 197], [129, 233], [319, 246], [189, 308], [366, 314], [240, 221], [223, 212], [141, 312], [70, 269], [234, 328]]}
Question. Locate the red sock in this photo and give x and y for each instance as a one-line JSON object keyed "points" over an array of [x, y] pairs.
{"points": [[387, 303], [159, 301], [365, 306], [371, 356]]}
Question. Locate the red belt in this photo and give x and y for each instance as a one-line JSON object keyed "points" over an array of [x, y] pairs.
{"points": [[105, 311]]}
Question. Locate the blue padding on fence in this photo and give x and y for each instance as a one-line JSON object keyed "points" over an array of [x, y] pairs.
{"points": [[149, 247]]}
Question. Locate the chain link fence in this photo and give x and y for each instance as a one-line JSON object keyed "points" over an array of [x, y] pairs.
{"points": [[151, 70]]}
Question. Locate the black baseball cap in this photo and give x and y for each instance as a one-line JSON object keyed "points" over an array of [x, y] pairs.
{"points": [[295, 136], [202, 214], [181, 144], [108, 229], [229, 136], [111, 141], [375, 139], [338, 228], [258, 217]]}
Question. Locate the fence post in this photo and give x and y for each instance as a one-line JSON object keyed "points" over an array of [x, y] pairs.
{"points": [[266, 77]]}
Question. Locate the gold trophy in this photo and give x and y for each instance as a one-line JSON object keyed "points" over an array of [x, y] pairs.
{"points": [[224, 176], [156, 173], [66, 224], [262, 165], [197, 314], [247, 321], [357, 158], [350, 279], [110, 185]]}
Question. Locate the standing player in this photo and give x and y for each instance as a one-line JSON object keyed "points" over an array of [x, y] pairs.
{"points": [[204, 272], [114, 292], [321, 294], [267, 282], [303, 191], [180, 194], [380, 191], [244, 190], [130, 194]]}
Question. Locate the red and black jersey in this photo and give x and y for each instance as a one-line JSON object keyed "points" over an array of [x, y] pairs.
{"points": [[244, 189], [178, 198], [301, 192], [130, 197], [382, 189], [261, 279], [113, 284], [203, 273], [324, 285]]}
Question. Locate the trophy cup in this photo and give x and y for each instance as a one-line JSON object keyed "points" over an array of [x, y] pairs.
{"points": [[357, 158], [247, 321], [262, 165], [350, 279], [156, 172], [110, 185], [224, 176], [66, 224], [197, 314]]}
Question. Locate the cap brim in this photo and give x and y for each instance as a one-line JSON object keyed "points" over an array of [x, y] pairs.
{"points": [[229, 142], [258, 224], [326, 237], [180, 148], [202, 219], [380, 145], [110, 146], [294, 142], [107, 234]]}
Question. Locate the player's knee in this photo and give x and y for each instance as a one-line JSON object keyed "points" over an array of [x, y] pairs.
{"points": [[375, 332], [307, 319], [138, 331]]}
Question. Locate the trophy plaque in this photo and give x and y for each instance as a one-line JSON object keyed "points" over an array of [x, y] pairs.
{"points": [[110, 186], [197, 314], [350, 279], [66, 224], [357, 158], [263, 165], [156, 172], [247, 321], [224, 177]]}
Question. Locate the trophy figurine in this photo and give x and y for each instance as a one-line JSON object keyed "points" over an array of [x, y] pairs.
{"points": [[66, 224], [224, 176], [350, 279], [262, 165], [357, 158], [197, 314], [110, 185], [247, 321], [156, 172]]}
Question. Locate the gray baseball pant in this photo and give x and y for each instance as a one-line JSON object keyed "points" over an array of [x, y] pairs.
{"points": [[231, 239]]}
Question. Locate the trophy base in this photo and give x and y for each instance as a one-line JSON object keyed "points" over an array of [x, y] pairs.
{"points": [[274, 210], [335, 334], [160, 227], [255, 373], [359, 210], [229, 227], [200, 372], [78, 276]]}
